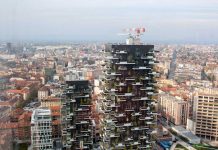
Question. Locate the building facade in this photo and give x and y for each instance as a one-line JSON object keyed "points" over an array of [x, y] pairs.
{"points": [[43, 93], [50, 102], [127, 99], [41, 129], [174, 109], [205, 114], [24, 126], [77, 124]]}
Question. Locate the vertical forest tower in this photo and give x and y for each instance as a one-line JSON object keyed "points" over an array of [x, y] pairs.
{"points": [[127, 97]]}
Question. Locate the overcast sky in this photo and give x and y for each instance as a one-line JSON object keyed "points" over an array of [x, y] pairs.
{"points": [[173, 21]]}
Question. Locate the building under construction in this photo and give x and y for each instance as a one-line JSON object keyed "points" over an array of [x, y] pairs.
{"points": [[128, 95]]}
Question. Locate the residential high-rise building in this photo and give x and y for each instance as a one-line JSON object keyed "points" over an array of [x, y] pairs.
{"points": [[41, 129], [174, 109], [127, 99], [77, 124], [205, 114]]}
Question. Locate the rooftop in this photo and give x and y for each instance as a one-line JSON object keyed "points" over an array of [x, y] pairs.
{"points": [[41, 114], [186, 133]]}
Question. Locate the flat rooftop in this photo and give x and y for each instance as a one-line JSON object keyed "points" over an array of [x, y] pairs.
{"points": [[41, 113], [185, 133]]}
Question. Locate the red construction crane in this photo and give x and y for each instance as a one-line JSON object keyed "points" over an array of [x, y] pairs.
{"points": [[134, 31], [133, 34]]}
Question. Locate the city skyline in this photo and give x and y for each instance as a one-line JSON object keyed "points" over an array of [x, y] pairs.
{"points": [[108, 96], [166, 21]]}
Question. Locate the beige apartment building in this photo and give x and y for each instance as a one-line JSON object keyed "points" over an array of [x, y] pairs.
{"points": [[205, 114], [50, 102], [43, 93], [174, 109]]}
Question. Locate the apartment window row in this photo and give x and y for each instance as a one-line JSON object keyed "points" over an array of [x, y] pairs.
{"points": [[41, 141], [207, 110], [205, 132], [208, 97]]}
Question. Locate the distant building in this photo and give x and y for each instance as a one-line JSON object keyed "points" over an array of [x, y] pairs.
{"points": [[205, 114], [56, 121], [43, 93], [50, 101], [199, 83], [173, 108], [41, 130], [24, 126], [24, 93], [21, 120], [9, 47], [188, 71]]}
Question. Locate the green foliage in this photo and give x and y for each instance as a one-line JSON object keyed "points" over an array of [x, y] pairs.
{"points": [[33, 93], [23, 146], [30, 98], [180, 147], [204, 147]]}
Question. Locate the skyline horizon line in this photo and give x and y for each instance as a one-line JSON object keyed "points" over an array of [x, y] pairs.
{"points": [[170, 42]]}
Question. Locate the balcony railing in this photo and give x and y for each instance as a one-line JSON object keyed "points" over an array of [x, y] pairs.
{"points": [[124, 63]]}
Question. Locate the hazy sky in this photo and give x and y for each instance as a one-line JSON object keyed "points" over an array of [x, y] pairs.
{"points": [[171, 21]]}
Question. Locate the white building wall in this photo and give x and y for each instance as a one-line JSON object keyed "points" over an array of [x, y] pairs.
{"points": [[41, 130]]}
